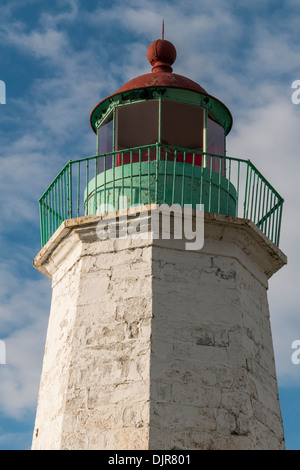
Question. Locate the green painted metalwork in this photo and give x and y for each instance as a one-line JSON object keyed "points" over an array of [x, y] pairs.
{"points": [[161, 174], [216, 109]]}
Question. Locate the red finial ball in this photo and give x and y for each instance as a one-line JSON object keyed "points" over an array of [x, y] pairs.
{"points": [[161, 55]]}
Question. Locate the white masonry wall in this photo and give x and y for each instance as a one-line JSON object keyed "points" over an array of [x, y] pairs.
{"points": [[150, 346], [213, 380], [95, 384]]}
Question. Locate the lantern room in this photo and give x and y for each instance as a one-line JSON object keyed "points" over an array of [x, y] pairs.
{"points": [[170, 120], [161, 107], [167, 118]]}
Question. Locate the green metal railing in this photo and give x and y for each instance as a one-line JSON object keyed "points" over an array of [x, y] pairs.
{"points": [[161, 174]]}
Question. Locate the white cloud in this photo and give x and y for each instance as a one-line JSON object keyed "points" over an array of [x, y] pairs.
{"points": [[268, 135], [46, 43], [23, 318], [20, 376], [69, 15]]}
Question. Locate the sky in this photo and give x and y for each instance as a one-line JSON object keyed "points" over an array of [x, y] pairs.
{"points": [[58, 60]]}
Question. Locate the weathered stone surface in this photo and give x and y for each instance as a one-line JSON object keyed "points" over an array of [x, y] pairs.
{"points": [[150, 346]]}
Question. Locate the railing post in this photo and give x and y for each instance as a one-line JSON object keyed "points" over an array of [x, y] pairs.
{"points": [[246, 189], [279, 223], [210, 182], [193, 169], [70, 190], [96, 186], [78, 188], [183, 178], [156, 171], [174, 176], [140, 176], [41, 222]]}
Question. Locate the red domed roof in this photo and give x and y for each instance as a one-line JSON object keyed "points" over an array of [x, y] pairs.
{"points": [[161, 54], [162, 79]]}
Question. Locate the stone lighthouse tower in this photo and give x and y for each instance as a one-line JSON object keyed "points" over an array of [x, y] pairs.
{"points": [[155, 342]]}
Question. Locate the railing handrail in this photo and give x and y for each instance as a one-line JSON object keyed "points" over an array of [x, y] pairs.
{"points": [[260, 198], [56, 178], [264, 179], [181, 149]]}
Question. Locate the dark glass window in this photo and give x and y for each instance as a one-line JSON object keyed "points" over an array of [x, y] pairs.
{"points": [[105, 136], [137, 124], [105, 143], [182, 125], [215, 138], [215, 145]]}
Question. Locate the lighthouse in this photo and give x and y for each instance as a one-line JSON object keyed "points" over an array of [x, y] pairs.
{"points": [[153, 342]]}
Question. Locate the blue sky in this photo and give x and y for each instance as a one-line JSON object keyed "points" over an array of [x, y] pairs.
{"points": [[58, 59]]}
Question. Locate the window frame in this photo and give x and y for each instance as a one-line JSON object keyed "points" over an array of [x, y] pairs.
{"points": [[201, 104]]}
